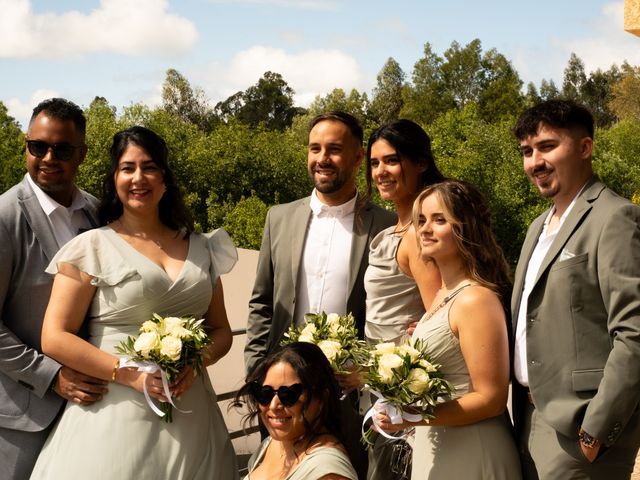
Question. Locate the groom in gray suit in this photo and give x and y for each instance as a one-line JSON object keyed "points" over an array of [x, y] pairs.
{"points": [[576, 308], [315, 250], [37, 216]]}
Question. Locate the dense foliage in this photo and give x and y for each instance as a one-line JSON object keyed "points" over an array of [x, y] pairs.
{"points": [[246, 153]]}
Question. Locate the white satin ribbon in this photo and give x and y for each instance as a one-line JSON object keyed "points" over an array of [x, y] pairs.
{"points": [[394, 413], [151, 368]]}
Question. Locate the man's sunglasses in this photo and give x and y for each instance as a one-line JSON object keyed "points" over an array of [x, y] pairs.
{"points": [[61, 151], [288, 395]]}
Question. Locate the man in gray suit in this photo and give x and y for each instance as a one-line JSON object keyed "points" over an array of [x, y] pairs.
{"points": [[315, 250], [37, 216], [576, 309]]}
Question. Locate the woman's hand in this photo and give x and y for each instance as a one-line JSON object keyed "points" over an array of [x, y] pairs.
{"points": [[411, 328], [137, 380], [183, 382], [383, 422]]}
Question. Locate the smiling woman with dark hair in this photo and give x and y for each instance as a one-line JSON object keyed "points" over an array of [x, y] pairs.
{"points": [[145, 260], [295, 394]]}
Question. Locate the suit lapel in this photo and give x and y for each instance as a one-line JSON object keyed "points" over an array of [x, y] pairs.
{"points": [[298, 230], [359, 244], [37, 220], [528, 246]]}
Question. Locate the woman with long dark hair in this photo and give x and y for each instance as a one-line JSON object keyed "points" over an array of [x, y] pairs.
{"points": [[145, 260], [296, 396]]}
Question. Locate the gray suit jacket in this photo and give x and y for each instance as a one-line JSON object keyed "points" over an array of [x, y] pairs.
{"points": [[27, 244], [583, 317], [272, 303]]}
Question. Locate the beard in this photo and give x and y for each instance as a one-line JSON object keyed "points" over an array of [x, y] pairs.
{"points": [[331, 185]]}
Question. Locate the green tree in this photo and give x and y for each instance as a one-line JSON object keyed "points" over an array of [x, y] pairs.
{"points": [[548, 90], [574, 78], [12, 147], [625, 94], [597, 95], [101, 126], [268, 103], [500, 94], [185, 102], [532, 97], [424, 99], [245, 222], [386, 101]]}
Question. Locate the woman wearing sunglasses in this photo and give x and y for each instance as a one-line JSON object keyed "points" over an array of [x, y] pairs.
{"points": [[295, 394], [145, 260]]}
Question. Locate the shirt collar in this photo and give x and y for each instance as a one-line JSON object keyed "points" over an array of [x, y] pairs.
{"points": [[49, 205], [320, 209], [566, 212]]}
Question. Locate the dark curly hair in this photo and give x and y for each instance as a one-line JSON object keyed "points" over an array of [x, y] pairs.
{"points": [[555, 113], [173, 212], [317, 378], [62, 109]]}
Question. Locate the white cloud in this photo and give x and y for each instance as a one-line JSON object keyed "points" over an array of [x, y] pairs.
{"points": [[610, 44], [298, 4], [21, 111], [117, 26], [605, 43], [309, 73]]}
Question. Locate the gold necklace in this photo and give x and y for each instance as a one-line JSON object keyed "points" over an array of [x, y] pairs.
{"points": [[139, 235], [446, 299]]}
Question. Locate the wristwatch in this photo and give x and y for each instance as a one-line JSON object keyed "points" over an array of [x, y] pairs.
{"points": [[588, 440]]}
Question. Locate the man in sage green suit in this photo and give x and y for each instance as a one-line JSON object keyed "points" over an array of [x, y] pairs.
{"points": [[315, 250], [576, 309]]}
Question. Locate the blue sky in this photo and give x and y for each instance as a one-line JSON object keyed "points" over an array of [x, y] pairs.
{"points": [[121, 49]]}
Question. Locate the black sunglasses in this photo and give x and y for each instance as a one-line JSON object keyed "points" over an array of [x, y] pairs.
{"points": [[288, 395], [62, 151]]}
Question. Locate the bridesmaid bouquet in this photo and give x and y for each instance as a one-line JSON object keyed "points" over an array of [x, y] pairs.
{"points": [[337, 337], [406, 382], [168, 344]]}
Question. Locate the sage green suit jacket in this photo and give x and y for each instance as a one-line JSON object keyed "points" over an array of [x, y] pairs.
{"points": [[583, 318], [272, 303]]}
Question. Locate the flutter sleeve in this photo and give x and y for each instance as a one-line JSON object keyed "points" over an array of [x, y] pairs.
{"points": [[94, 254], [222, 251]]}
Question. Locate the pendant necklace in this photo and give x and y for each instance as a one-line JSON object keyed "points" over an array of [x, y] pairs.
{"points": [[446, 300]]}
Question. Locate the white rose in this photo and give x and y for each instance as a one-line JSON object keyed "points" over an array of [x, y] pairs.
{"points": [[385, 348], [427, 366], [171, 347], [146, 343], [418, 380], [307, 333], [330, 348], [169, 323], [386, 374], [333, 318], [409, 350], [149, 326], [390, 361]]}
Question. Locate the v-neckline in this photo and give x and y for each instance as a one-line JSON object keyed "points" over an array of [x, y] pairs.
{"points": [[151, 262]]}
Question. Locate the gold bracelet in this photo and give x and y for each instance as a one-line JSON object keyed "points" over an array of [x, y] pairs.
{"points": [[115, 370]]}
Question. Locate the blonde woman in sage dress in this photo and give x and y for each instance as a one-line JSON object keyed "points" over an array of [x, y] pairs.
{"points": [[465, 331], [143, 262], [398, 283]]}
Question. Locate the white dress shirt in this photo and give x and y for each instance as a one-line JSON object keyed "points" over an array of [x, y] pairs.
{"points": [[545, 240], [66, 222], [323, 278]]}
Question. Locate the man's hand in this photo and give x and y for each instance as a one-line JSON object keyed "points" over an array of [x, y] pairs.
{"points": [[589, 453], [78, 387], [349, 381]]}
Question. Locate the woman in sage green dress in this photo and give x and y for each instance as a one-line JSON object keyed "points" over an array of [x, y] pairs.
{"points": [[145, 260], [465, 331], [295, 394]]}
